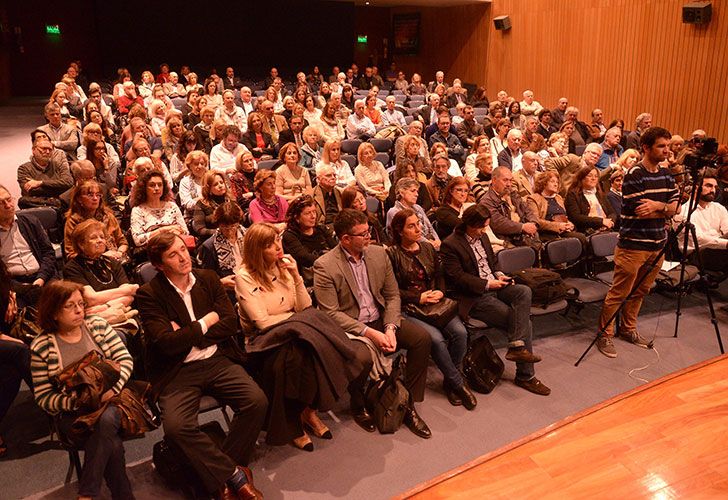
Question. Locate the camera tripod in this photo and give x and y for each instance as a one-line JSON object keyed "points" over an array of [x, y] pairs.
{"points": [[687, 229]]}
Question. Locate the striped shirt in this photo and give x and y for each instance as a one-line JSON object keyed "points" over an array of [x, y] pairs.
{"points": [[638, 233], [45, 364]]}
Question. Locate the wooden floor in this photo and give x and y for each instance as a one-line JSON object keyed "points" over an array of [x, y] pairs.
{"points": [[667, 439]]}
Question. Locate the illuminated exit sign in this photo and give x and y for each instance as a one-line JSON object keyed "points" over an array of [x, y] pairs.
{"points": [[53, 29], [361, 38]]}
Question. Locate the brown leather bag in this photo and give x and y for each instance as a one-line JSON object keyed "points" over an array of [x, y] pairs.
{"points": [[89, 377]]}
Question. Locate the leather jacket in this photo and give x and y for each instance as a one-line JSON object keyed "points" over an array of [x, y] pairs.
{"points": [[403, 264]]}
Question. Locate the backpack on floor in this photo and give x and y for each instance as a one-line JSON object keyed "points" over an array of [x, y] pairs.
{"points": [[482, 366], [176, 470], [547, 287], [388, 399]]}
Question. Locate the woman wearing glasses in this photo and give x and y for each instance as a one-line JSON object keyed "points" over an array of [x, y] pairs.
{"points": [[67, 337], [87, 203]]}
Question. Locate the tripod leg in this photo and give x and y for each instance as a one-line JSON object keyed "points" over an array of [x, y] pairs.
{"points": [[701, 270]]}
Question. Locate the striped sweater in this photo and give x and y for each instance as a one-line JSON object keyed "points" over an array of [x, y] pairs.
{"points": [[44, 364], [645, 234]]}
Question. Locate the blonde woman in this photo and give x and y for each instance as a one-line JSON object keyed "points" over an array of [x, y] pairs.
{"points": [[271, 292], [197, 164], [371, 174], [332, 156], [292, 180]]}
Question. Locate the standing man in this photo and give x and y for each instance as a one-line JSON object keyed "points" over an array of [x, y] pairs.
{"points": [[189, 323], [355, 285], [649, 198]]}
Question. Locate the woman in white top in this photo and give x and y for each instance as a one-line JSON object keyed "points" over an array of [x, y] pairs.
{"points": [[152, 210], [192, 84], [481, 145], [310, 112], [190, 187], [332, 128], [498, 143], [292, 180], [147, 86], [332, 156], [156, 115], [371, 174]]}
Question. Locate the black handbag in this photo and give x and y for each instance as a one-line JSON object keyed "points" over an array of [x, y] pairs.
{"points": [[438, 314], [388, 399], [482, 366]]}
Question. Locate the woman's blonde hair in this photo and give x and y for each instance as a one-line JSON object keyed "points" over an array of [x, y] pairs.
{"points": [[327, 147], [195, 155], [362, 147], [257, 238]]}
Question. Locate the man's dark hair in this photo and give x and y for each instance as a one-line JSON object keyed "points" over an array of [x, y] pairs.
{"points": [[347, 219], [649, 137], [474, 216], [158, 244], [441, 110], [231, 130]]}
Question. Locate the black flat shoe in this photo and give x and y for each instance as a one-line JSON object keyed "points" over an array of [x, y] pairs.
{"points": [[467, 398], [414, 423], [452, 397]]}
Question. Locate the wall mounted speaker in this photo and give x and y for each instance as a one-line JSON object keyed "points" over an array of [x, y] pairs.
{"points": [[503, 22], [697, 13]]}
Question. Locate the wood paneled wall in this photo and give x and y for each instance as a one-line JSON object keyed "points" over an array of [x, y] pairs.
{"points": [[623, 56], [452, 39]]}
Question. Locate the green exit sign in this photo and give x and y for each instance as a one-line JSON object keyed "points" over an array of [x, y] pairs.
{"points": [[53, 29], [361, 38]]}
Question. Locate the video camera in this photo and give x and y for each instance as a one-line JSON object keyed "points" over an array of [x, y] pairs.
{"points": [[705, 154]]}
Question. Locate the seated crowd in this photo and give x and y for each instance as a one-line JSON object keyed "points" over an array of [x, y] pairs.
{"points": [[296, 230]]}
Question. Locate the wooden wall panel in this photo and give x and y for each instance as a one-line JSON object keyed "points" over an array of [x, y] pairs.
{"points": [[624, 56], [452, 39]]}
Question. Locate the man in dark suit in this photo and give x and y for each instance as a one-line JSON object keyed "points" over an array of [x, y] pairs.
{"points": [[355, 285], [231, 81], [189, 323], [294, 133], [488, 295]]}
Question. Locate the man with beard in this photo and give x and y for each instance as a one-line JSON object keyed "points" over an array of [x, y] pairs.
{"points": [[711, 227]]}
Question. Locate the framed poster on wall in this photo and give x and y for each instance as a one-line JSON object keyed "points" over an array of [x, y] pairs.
{"points": [[406, 33]]}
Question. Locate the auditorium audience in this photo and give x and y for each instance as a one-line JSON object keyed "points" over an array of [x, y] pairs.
{"points": [[444, 226]]}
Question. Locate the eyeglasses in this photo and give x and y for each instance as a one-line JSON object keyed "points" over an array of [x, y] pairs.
{"points": [[71, 306], [366, 234]]}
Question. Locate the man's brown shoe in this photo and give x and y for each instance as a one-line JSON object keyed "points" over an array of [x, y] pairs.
{"points": [[534, 385], [248, 491], [521, 355]]}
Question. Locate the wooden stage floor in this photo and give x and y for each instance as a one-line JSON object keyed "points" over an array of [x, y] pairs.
{"points": [[666, 439]]}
